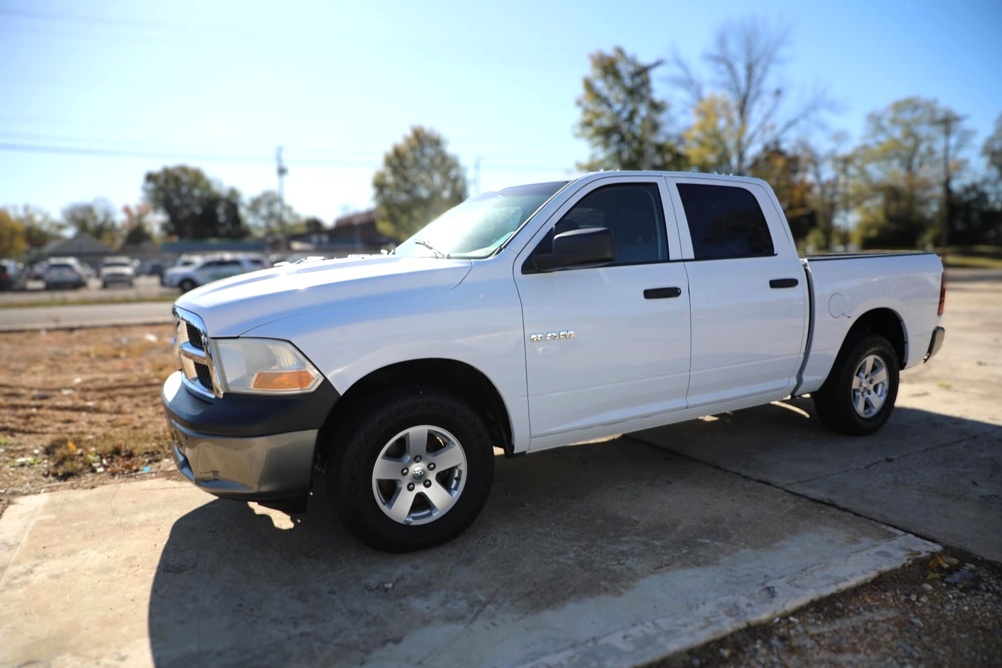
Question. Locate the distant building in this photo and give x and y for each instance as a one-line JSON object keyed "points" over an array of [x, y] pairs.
{"points": [[210, 246], [82, 246], [352, 234]]}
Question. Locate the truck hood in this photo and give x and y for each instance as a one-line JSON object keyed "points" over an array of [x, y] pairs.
{"points": [[235, 305]]}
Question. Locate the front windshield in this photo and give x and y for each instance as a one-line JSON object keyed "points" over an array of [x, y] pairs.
{"points": [[479, 226]]}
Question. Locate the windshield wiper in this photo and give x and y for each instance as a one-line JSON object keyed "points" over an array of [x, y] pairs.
{"points": [[427, 244]]}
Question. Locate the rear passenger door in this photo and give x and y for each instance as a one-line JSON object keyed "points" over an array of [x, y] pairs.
{"points": [[747, 288]]}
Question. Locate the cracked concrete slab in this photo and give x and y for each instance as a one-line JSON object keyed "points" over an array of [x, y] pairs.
{"points": [[602, 554]]}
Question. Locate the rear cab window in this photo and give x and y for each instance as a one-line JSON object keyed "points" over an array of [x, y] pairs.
{"points": [[725, 221]]}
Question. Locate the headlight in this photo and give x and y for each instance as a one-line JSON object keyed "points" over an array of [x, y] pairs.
{"points": [[264, 366]]}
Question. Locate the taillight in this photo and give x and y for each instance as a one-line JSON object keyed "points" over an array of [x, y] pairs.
{"points": [[942, 293]]}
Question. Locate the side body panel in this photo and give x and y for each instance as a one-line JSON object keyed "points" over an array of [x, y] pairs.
{"points": [[478, 322], [847, 288]]}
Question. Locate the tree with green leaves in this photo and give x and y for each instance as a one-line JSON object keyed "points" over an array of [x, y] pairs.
{"points": [[37, 226], [13, 240], [789, 175], [138, 223], [196, 207], [267, 214], [621, 119], [419, 181], [992, 152], [740, 108], [96, 219], [900, 172]]}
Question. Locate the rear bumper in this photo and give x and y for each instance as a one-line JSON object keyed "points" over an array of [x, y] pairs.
{"points": [[935, 343], [246, 447]]}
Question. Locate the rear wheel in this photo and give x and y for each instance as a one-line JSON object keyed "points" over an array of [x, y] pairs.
{"points": [[861, 389], [187, 285], [413, 471]]}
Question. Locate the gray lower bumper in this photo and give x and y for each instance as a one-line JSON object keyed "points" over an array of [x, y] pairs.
{"points": [[251, 468], [246, 447]]}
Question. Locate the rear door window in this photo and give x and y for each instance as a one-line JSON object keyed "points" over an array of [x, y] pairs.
{"points": [[725, 222]]}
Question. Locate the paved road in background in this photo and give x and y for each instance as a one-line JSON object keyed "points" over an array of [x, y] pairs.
{"points": [[50, 309], [84, 315]]}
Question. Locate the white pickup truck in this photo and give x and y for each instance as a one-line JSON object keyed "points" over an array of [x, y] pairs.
{"points": [[525, 319]]}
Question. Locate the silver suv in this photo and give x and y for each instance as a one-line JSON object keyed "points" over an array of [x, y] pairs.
{"points": [[117, 270], [210, 269]]}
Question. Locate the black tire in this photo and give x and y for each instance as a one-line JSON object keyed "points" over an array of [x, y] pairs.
{"points": [[859, 394], [187, 285], [380, 436]]}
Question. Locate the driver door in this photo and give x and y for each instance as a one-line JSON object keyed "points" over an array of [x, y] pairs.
{"points": [[607, 348]]}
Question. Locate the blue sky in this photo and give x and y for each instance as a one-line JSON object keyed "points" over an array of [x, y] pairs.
{"points": [[134, 86]]}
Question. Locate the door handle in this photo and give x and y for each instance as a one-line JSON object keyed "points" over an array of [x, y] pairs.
{"points": [[784, 283], [662, 293]]}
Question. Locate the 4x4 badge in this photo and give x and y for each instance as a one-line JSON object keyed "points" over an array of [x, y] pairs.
{"points": [[552, 336]]}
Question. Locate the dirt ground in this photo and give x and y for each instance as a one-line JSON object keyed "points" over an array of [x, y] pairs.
{"points": [[81, 408]]}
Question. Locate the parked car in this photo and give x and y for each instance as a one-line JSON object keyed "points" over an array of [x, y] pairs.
{"points": [[211, 268], [12, 275], [527, 319], [63, 273], [117, 270]]}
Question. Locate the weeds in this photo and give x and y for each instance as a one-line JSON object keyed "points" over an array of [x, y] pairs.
{"points": [[115, 456]]}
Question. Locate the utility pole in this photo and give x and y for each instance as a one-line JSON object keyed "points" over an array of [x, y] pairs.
{"points": [[947, 121], [644, 72], [476, 175], [281, 171]]}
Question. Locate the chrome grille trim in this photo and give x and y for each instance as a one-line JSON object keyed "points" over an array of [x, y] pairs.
{"points": [[194, 350]]}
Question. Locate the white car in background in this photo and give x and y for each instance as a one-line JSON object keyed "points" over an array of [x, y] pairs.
{"points": [[64, 273], [117, 270], [211, 268]]}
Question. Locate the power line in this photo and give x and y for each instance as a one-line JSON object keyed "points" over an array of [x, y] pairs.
{"points": [[52, 149], [125, 153]]}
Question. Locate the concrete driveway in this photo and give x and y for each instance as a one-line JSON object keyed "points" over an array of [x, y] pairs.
{"points": [[601, 554]]}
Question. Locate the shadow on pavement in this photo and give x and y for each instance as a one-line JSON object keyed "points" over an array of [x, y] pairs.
{"points": [[573, 544], [936, 476]]}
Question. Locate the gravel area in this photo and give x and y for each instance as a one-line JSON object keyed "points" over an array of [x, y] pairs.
{"points": [[945, 611]]}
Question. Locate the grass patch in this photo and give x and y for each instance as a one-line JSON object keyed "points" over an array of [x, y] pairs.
{"points": [[66, 459], [973, 262]]}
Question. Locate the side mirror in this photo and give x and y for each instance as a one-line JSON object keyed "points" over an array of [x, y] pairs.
{"points": [[593, 246]]}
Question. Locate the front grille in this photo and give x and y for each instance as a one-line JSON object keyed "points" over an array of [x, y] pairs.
{"points": [[204, 376], [195, 336], [196, 355]]}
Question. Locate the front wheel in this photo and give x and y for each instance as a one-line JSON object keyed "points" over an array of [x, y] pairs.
{"points": [[861, 389], [413, 471]]}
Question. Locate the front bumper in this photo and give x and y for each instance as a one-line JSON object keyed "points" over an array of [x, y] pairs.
{"points": [[244, 446]]}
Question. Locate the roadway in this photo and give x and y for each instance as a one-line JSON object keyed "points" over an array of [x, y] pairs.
{"points": [[146, 303]]}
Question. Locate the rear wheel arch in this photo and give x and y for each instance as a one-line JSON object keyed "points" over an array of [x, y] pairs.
{"points": [[883, 322]]}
